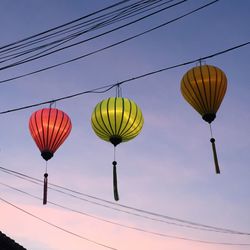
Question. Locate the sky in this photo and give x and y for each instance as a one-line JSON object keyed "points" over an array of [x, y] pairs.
{"points": [[168, 169]]}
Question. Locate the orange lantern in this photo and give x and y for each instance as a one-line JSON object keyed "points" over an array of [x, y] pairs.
{"points": [[49, 128], [204, 88]]}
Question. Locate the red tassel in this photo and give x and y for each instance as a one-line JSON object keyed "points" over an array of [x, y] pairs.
{"points": [[45, 189]]}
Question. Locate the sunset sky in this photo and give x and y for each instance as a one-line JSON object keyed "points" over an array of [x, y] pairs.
{"points": [[168, 169]]}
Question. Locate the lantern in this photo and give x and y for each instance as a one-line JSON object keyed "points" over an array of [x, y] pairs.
{"points": [[117, 120], [49, 127], [204, 88]]}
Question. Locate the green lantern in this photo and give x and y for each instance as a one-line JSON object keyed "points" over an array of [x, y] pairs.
{"points": [[117, 120]]}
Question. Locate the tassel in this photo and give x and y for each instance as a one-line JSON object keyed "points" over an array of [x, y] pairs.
{"points": [[217, 169], [116, 195], [45, 189]]}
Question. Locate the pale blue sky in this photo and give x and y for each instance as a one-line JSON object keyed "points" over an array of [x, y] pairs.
{"points": [[168, 168]]}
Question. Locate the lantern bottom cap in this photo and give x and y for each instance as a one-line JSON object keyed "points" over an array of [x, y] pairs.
{"points": [[47, 155], [115, 140], [209, 117]]}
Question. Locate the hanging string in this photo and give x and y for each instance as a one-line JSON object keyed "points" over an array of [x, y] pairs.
{"points": [[118, 90], [211, 131], [115, 186], [51, 103], [212, 140], [200, 62]]}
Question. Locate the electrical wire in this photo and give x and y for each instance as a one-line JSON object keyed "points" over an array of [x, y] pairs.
{"points": [[106, 88], [38, 182], [64, 25], [107, 47], [106, 246], [39, 55], [56, 226], [123, 14], [107, 19], [190, 224], [64, 40], [86, 214]]}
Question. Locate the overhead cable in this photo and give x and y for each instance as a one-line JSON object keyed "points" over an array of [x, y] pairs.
{"points": [[106, 88], [103, 21], [41, 54], [190, 224], [89, 215], [106, 246], [107, 47], [56, 226], [63, 25]]}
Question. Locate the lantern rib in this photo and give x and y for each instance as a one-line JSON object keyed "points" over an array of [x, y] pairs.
{"points": [[103, 136], [220, 91], [205, 91], [54, 144], [108, 131], [128, 118], [104, 129], [32, 129], [52, 138], [196, 99], [131, 134], [223, 89], [136, 113], [100, 132], [62, 135], [122, 118], [115, 120], [39, 132], [188, 95], [201, 106], [48, 129], [199, 92], [215, 89], [43, 131], [210, 89], [109, 122]]}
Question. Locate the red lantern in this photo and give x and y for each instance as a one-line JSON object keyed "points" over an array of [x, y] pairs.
{"points": [[49, 128]]}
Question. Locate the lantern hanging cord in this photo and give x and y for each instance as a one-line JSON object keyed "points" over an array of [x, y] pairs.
{"points": [[200, 61], [114, 153], [211, 131], [106, 88], [118, 90], [51, 104]]}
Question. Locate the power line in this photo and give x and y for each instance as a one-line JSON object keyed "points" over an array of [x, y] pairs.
{"points": [[57, 227], [131, 213], [64, 25], [88, 215], [106, 88], [190, 224], [124, 13], [106, 246], [107, 47], [32, 58]]}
